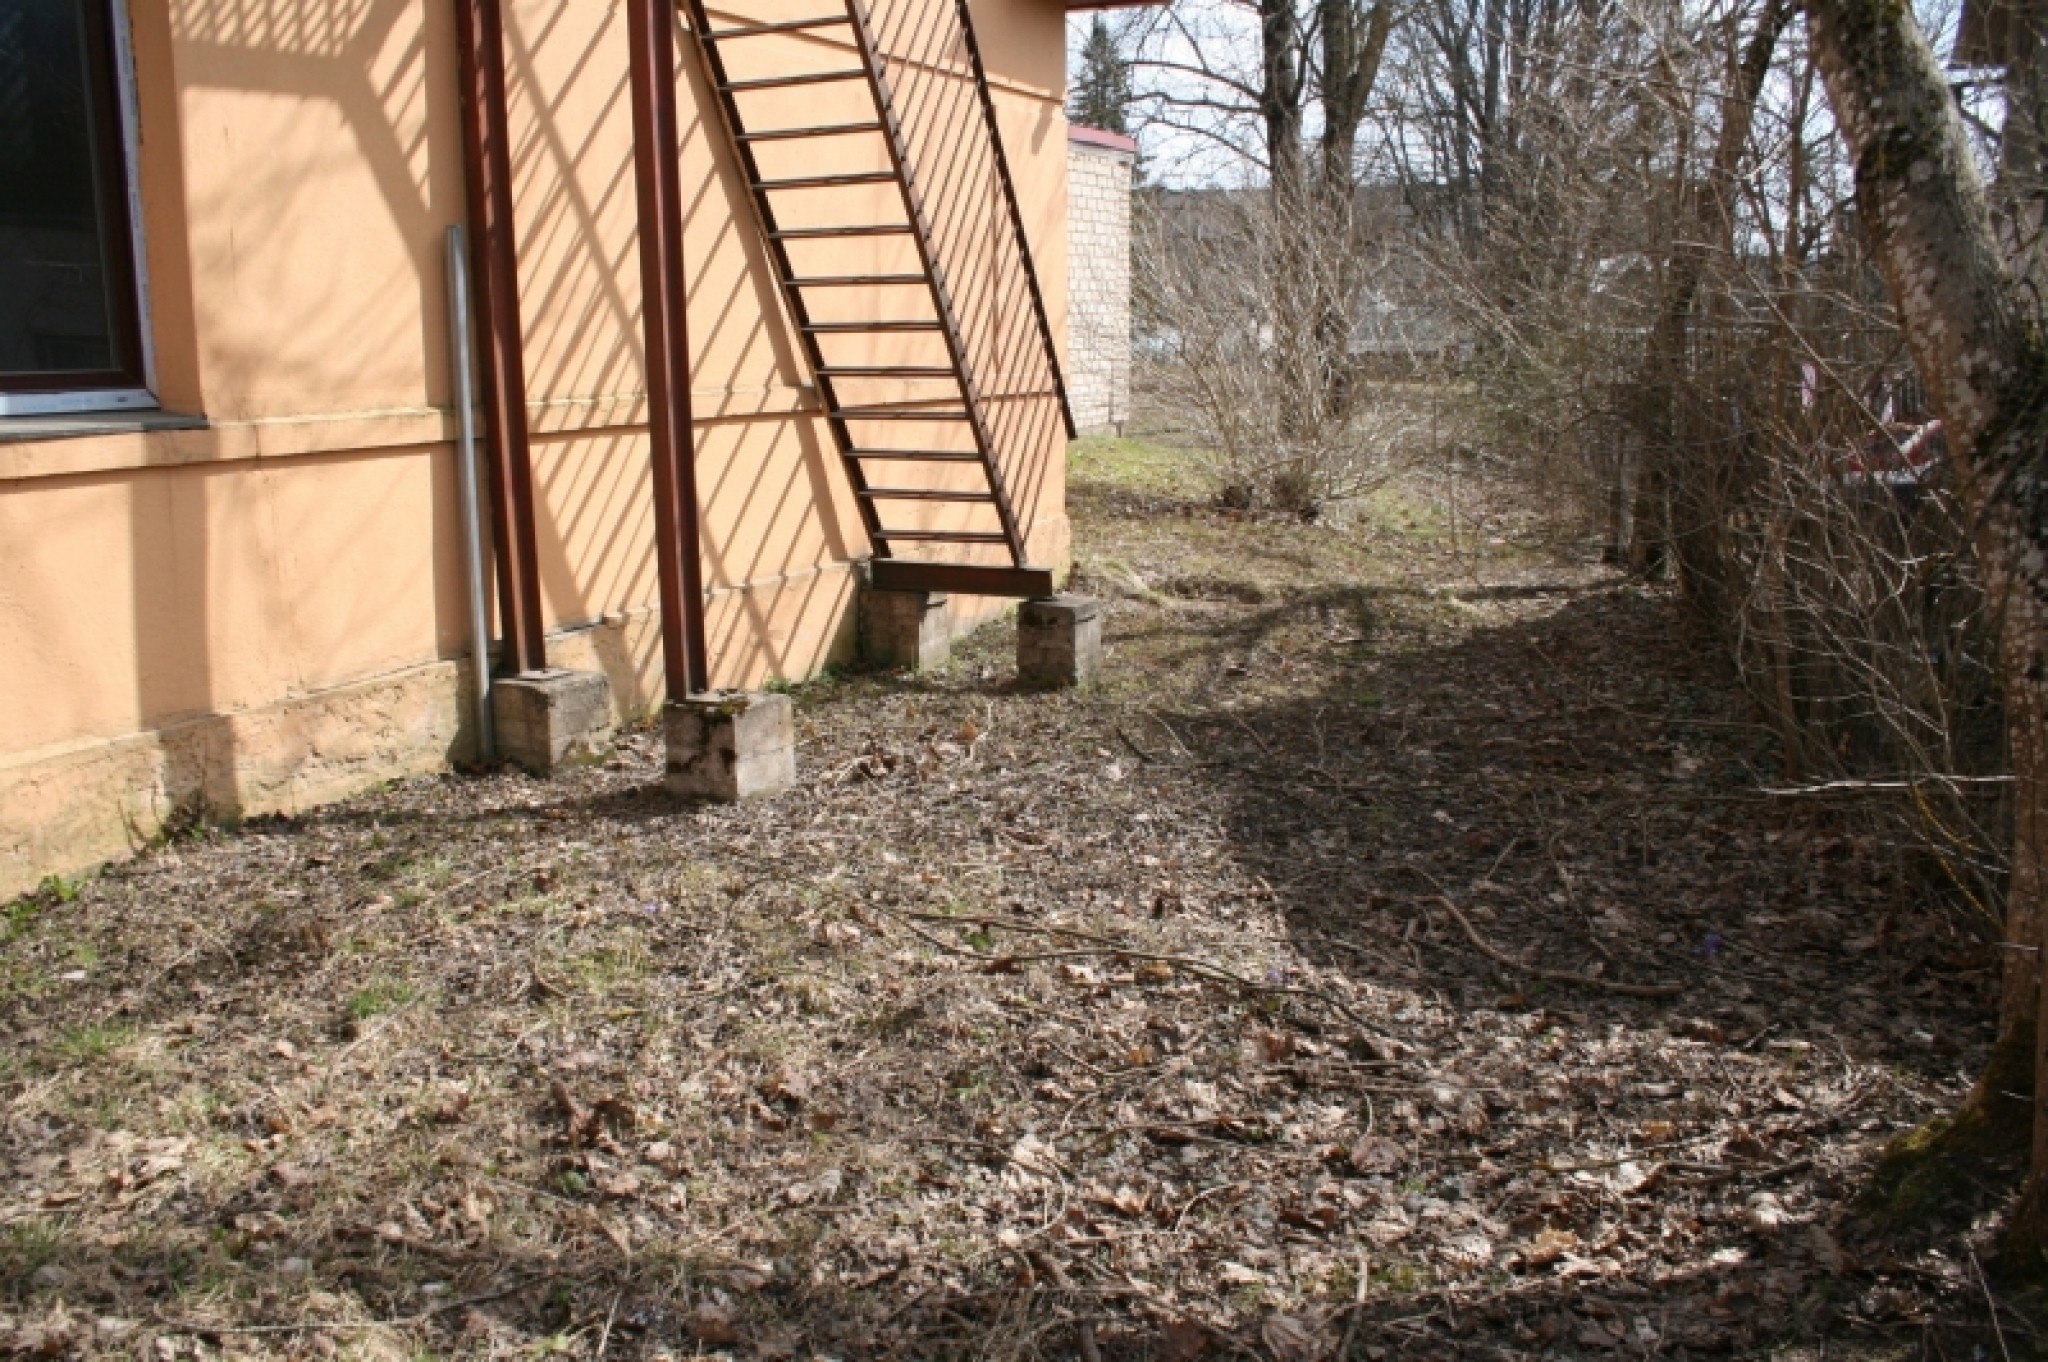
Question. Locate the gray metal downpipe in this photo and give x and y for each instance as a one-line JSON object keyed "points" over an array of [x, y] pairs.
{"points": [[475, 544]]}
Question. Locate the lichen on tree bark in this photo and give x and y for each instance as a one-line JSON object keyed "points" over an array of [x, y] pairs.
{"points": [[1978, 346]]}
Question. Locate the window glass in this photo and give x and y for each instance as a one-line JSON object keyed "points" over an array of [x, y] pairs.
{"points": [[66, 291]]}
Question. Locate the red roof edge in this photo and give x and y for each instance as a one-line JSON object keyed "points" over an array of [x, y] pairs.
{"points": [[1096, 137]]}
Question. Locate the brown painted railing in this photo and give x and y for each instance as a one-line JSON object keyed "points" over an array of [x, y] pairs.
{"points": [[931, 58], [903, 192]]}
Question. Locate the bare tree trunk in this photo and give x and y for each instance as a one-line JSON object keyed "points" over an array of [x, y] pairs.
{"points": [[1705, 214], [1621, 503], [1981, 354], [1281, 90], [2022, 189], [1280, 98], [1353, 45]]}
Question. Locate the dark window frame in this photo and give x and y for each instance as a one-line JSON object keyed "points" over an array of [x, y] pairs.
{"points": [[124, 287]]}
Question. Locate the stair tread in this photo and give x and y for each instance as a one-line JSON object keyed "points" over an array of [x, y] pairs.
{"points": [[870, 229], [819, 130], [719, 35], [944, 536], [916, 455], [870, 413], [829, 181], [850, 328], [922, 494], [886, 371], [810, 78], [844, 280]]}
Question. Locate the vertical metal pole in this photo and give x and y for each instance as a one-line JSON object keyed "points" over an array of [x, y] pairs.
{"points": [[474, 550], [486, 140], [650, 35]]}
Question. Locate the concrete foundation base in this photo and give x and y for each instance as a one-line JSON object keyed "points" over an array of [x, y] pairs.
{"points": [[906, 629], [730, 745], [552, 718], [1059, 642]]}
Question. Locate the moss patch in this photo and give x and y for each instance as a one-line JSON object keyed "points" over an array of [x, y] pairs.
{"points": [[1935, 1179]]}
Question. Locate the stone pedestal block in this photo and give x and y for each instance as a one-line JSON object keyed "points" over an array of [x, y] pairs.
{"points": [[552, 718], [904, 629], [730, 745], [1059, 642]]}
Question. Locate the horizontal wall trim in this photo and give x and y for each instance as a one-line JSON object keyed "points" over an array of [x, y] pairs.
{"points": [[365, 432]]}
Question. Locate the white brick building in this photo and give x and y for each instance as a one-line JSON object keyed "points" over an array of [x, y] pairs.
{"points": [[1099, 166]]}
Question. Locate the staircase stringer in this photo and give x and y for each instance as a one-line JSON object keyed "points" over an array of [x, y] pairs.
{"points": [[785, 273], [1016, 214], [935, 274]]}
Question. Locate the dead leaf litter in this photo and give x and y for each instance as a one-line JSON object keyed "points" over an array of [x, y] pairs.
{"points": [[1393, 953]]}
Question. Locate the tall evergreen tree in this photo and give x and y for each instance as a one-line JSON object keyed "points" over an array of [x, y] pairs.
{"points": [[1102, 88]]}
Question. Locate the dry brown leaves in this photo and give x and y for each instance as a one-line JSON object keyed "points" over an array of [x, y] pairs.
{"points": [[1126, 1022]]}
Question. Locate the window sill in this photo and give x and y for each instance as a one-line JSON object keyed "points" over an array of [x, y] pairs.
{"points": [[78, 425]]}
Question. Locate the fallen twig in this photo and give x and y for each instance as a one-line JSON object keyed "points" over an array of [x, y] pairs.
{"points": [[1954, 783], [1555, 976], [1710, 1176], [1204, 1195], [338, 1326], [541, 985], [1169, 732], [1358, 1295], [1118, 950], [1137, 751], [604, 1338]]}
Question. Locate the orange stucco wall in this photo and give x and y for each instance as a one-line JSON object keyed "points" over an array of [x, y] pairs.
{"points": [[299, 161]]}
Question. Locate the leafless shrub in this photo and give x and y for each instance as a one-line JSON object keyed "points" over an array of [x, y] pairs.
{"points": [[1676, 318], [1816, 523], [1261, 328], [1632, 225]]}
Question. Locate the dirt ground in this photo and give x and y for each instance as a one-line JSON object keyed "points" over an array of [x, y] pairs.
{"points": [[1397, 954]]}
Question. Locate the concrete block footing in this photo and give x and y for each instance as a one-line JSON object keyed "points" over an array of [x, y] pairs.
{"points": [[730, 745], [553, 718], [1059, 642], [905, 629]]}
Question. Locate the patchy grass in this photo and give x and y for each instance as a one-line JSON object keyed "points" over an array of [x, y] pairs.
{"points": [[1137, 1019], [1101, 464], [21, 914], [86, 1044], [378, 997], [1401, 511]]}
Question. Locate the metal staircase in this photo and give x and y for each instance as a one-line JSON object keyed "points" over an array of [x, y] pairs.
{"points": [[917, 307]]}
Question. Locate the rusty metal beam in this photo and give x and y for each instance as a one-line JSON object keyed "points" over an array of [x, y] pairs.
{"points": [[905, 574], [650, 35], [1016, 213], [486, 144], [976, 410]]}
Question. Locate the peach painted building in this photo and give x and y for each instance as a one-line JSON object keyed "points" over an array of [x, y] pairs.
{"points": [[232, 550]]}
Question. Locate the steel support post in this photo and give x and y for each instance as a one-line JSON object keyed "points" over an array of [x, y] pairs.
{"points": [[650, 29], [486, 140]]}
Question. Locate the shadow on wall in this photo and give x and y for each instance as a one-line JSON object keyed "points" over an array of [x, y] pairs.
{"points": [[367, 91], [249, 634]]}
